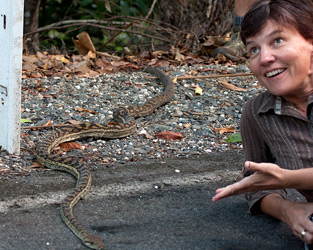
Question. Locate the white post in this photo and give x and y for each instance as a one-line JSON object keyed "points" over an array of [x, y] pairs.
{"points": [[11, 40]]}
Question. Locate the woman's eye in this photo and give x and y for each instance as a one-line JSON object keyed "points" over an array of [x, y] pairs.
{"points": [[254, 51], [278, 40]]}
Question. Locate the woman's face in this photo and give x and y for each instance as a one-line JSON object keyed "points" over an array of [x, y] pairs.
{"points": [[281, 60]]}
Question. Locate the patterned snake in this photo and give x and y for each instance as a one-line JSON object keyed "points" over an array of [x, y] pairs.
{"points": [[125, 125]]}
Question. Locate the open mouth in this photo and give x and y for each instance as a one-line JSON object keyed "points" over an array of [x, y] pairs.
{"points": [[275, 72]]}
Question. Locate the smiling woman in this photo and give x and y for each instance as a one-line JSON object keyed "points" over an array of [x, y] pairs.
{"points": [[280, 58], [276, 126]]}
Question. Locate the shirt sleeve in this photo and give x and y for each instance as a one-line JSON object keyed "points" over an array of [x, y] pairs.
{"points": [[255, 149]]}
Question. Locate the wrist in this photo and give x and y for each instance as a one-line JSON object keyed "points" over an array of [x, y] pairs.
{"points": [[275, 206], [287, 178]]}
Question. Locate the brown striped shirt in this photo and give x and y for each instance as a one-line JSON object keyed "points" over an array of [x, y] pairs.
{"points": [[274, 131]]}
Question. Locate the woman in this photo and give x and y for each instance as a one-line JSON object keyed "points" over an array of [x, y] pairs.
{"points": [[277, 126]]}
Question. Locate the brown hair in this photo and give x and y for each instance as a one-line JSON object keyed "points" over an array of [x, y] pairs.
{"points": [[289, 13]]}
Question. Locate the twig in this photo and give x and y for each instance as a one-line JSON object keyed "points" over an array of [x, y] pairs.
{"points": [[115, 35], [241, 172], [206, 76], [95, 24], [150, 11]]}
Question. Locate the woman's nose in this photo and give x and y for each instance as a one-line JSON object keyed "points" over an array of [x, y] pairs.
{"points": [[267, 56]]}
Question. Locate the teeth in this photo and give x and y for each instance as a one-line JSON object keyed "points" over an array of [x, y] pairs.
{"points": [[274, 72]]}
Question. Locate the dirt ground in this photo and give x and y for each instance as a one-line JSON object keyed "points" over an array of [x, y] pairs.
{"points": [[142, 205]]}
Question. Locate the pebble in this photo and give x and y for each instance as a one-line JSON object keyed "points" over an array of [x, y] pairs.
{"points": [[194, 116]]}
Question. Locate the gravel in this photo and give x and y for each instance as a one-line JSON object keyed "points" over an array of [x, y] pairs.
{"points": [[196, 117]]}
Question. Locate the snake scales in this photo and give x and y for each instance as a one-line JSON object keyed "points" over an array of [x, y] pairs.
{"points": [[126, 125]]}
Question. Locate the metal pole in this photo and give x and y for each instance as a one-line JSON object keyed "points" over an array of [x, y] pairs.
{"points": [[11, 40]]}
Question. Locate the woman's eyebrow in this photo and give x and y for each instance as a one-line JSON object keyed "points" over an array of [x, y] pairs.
{"points": [[273, 33]]}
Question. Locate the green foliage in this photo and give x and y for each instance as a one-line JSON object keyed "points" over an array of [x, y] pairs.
{"points": [[52, 11], [234, 138], [25, 121]]}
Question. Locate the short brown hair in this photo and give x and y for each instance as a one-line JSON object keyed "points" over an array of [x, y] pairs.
{"points": [[290, 13]]}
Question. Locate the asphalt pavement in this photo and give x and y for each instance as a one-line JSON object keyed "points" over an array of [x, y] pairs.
{"points": [[142, 205]]}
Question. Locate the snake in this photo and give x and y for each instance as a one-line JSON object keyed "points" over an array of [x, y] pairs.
{"points": [[124, 125]]}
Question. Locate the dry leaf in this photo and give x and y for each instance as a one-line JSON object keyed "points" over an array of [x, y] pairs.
{"points": [[107, 5], [145, 134], [48, 123], [91, 55], [63, 59], [81, 109], [67, 146], [198, 91], [228, 129], [30, 58], [74, 122], [35, 164], [106, 160], [84, 44], [169, 135], [29, 66], [112, 123], [82, 66], [231, 87]]}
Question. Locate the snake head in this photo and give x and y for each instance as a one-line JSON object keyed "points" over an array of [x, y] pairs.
{"points": [[94, 242], [121, 115]]}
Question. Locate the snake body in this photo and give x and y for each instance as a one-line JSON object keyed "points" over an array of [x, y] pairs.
{"points": [[126, 125]]}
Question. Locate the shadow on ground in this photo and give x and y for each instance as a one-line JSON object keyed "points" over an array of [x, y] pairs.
{"points": [[143, 205]]}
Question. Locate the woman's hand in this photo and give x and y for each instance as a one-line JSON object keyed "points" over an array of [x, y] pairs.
{"points": [[266, 176], [296, 215]]}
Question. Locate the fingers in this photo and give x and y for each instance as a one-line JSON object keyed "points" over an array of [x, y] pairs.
{"points": [[252, 166], [305, 236], [225, 192], [219, 194]]}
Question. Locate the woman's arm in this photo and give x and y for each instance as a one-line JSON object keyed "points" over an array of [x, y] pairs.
{"points": [[296, 215], [268, 176]]}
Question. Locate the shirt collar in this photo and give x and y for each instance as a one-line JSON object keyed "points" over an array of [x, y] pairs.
{"points": [[277, 103], [269, 103], [310, 107]]}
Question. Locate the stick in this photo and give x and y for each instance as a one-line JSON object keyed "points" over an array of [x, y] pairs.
{"points": [[206, 76], [150, 11]]}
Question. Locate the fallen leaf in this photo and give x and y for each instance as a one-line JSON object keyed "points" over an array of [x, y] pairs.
{"points": [[107, 5], [198, 91], [67, 146], [224, 130], [91, 55], [169, 135], [82, 66], [29, 66], [63, 59], [81, 109], [106, 160], [47, 96], [231, 86], [84, 43], [74, 122], [36, 164], [24, 135], [234, 138], [25, 121], [48, 123], [145, 134], [30, 58]]}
